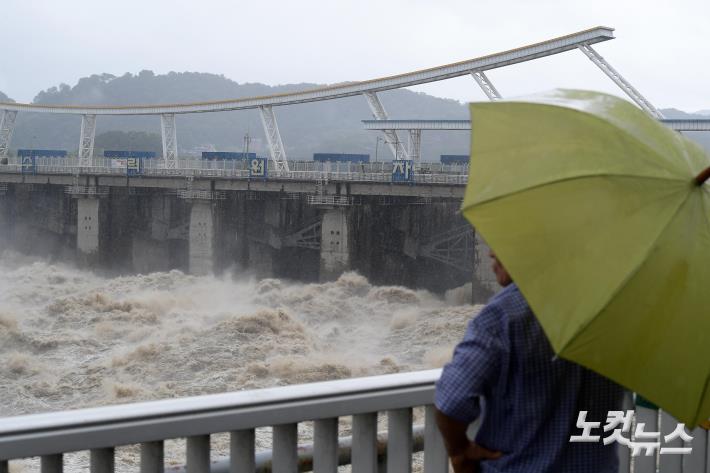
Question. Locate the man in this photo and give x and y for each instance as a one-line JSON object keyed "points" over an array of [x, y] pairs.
{"points": [[506, 371]]}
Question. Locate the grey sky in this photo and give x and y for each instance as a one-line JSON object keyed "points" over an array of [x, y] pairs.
{"points": [[661, 46]]}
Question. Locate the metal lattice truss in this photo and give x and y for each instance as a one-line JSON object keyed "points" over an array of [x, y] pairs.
{"points": [[488, 88], [697, 124], [78, 190], [415, 145], [169, 132], [86, 139], [330, 200], [634, 94], [308, 237], [7, 126], [518, 55], [180, 231], [391, 137], [581, 40], [276, 146], [454, 248]]}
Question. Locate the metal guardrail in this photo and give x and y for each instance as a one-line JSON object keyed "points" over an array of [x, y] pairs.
{"points": [[200, 194], [102, 429], [330, 200], [92, 191], [264, 460], [430, 173]]}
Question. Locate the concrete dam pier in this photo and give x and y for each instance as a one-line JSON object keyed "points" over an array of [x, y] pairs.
{"points": [[415, 241]]}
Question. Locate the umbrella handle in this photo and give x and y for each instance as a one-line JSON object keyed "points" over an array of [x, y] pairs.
{"points": [[702, 177]]}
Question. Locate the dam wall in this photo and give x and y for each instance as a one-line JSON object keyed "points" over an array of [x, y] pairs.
{"points": [[393, 240]]}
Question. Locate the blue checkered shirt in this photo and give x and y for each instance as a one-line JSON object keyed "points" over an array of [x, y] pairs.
{"points": [[506, 371]]}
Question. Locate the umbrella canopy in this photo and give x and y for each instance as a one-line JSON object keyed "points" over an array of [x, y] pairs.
{"points": [[597, 212]]}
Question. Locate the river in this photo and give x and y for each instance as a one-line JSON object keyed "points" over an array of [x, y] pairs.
{"points": [[70, 338]]}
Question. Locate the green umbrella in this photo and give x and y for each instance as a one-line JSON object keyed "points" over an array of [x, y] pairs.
{"points": [[600, 215]]}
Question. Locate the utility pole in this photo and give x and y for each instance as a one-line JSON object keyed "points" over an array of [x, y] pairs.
{"points": [[377, 143], [247, 140]]}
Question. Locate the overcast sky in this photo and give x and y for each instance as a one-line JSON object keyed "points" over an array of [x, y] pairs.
{"points": [[661, 47]]}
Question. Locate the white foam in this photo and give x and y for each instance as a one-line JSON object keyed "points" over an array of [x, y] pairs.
{"points": [[72, 339]]}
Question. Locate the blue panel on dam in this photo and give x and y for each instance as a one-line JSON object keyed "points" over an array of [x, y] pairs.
{"points": [[341, 157], [134, 166], [403, 170], [258, 167], [454, 158], [29, 165], [42, 153], [226, 155]]}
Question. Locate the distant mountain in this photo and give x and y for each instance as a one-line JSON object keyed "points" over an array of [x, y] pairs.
{"points": [[675, 113], [705, 113], [5, 98], [328, 126]]}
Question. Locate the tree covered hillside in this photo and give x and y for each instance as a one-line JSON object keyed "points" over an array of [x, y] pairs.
{"points": [[328, 126]]}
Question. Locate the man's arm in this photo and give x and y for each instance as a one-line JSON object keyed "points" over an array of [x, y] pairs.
{"points": [[474, 369], [465, 455]]}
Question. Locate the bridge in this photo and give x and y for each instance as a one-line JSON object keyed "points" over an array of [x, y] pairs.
{"points": [[582, 41], [200, 215]]}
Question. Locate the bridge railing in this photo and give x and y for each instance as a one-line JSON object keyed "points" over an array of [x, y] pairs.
{"points": [[149, 424], [427, 173]]}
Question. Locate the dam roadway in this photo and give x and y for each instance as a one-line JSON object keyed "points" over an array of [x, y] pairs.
{"points": [[430, 179]]}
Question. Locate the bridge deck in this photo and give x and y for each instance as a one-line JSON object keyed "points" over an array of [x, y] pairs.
{"points": [[347, 89]]}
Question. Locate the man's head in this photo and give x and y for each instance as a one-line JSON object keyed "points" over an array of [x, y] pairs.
{"points": [[502, 275]]}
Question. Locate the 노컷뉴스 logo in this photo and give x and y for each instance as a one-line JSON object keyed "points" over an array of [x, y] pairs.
{"points": [[618, 427]]}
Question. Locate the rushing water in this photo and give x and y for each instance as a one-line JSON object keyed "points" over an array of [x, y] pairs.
{"points": [[72, 339]]}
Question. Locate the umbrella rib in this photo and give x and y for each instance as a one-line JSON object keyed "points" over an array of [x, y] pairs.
{"points": [[705, 391], [630, 276], [571, 178]]}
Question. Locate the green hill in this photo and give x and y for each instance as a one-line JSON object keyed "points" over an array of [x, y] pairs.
{"points": [[328, 126]]}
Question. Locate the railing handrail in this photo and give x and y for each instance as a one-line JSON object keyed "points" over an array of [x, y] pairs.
{"points": [[81, 429], [449, 179]]}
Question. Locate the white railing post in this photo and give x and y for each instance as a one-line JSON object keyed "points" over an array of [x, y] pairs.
{"points": [[198, 454], [285, 449], [325, 446], [435, 457], [241, 451], [152, 457], [622, 450], [102, 460], [399, 441], [52, 463], [649, 417], [364, 450]]}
